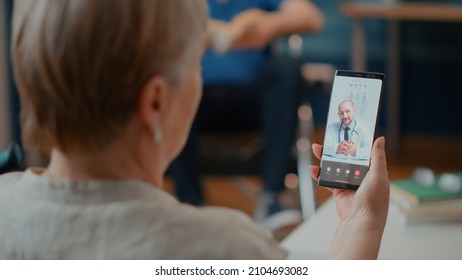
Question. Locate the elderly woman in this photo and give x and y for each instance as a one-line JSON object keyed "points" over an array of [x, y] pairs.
{"points": [[109, 89]]}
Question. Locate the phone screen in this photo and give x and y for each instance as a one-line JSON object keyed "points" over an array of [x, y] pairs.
{"points": [[350, 128]]}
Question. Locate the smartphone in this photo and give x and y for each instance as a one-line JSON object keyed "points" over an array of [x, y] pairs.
{"points": [[350, 129]]}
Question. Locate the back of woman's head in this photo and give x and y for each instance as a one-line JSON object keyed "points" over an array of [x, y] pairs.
{"points": [[79, 64]]}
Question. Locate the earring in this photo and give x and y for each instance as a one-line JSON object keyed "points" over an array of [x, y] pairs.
{"points": [[158, 133]]}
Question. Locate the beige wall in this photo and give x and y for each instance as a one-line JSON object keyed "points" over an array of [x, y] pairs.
{"points": [[5, 130]]}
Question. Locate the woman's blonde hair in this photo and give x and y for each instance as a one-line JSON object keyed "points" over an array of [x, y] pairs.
{"points": [[79, 64]]}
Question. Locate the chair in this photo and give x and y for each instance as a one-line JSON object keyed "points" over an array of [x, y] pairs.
{"points": [[239, 152], [316, 75]]}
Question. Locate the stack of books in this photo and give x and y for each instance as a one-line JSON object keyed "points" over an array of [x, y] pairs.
{"points": [[416, 203]]}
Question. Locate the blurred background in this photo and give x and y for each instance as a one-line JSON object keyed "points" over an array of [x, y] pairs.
{"points": [[430, 119], [430, 62]]}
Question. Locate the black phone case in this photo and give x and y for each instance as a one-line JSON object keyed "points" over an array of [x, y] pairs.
{"points": [[367, 75]]}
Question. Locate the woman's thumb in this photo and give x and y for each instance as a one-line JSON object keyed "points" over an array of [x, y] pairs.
{"points": [[378, 158]]}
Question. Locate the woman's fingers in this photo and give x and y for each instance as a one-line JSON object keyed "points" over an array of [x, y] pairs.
{"points": [[314, 170]]}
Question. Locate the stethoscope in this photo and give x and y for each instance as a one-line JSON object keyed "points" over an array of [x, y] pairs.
{"points": [[352, 131]]}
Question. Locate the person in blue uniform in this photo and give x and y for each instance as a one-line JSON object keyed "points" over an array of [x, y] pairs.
{"points": [[244, 86]]}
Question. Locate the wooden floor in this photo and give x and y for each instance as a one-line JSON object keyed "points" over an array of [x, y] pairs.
{"points": [[439, 154]]}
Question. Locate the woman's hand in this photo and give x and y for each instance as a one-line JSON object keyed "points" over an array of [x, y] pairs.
{"points": [[363, 213], [251, 29], [248, 29]]}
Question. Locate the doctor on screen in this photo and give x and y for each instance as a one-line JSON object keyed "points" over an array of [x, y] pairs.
{"points": [[348, 137]]}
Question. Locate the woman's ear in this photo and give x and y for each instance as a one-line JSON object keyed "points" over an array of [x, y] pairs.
{"points": [[150, 102]]}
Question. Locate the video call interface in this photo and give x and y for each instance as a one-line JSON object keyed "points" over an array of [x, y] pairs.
{"points": [[354, 105]]}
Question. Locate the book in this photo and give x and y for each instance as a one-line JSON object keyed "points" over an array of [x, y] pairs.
{"points": [[415, 203], [409, 192], [406, 220], [450, 210]]}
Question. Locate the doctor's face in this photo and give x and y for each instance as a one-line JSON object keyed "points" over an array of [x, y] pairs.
{"points": [[346, 112]]}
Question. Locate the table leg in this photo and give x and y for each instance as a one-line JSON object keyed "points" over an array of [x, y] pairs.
{"points": [[358, 52], [393, 94]]}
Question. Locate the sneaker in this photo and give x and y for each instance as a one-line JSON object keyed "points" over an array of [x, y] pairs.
{"points": [[12, 159]]}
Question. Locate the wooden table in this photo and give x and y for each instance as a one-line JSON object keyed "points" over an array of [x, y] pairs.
{"points": [[393, 13]]}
